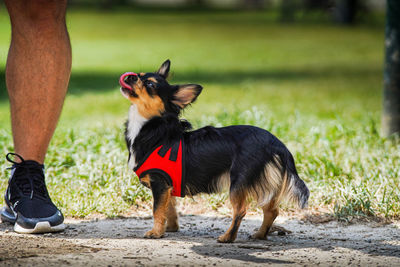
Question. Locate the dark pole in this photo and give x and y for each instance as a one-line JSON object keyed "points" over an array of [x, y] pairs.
{"points": [[391, 89], [287, 10], [346, 11]]}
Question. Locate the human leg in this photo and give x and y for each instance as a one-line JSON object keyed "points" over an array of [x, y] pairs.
{"points": [[37, 75], [37, 72]]}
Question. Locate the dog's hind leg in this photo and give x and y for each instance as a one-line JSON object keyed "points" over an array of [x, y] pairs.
{"points": [[172, 216], [239, 205], [271, 211]]}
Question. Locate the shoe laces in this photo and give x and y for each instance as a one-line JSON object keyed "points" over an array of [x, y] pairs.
{"points": [[28, 175]]}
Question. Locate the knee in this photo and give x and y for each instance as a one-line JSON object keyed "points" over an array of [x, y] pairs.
{"points": [[37, 13]]}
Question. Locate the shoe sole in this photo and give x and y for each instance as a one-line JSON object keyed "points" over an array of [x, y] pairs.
{"points": [[40, 228]]}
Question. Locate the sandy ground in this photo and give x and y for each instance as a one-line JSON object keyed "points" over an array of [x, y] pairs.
{"points": [[119, 242]]}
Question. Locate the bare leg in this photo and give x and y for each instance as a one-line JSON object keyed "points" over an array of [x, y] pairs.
{"points": [[37, 73], [270, 213], [172, 216], [239, 211]]}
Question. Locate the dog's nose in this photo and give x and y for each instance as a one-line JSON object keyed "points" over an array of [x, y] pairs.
{"points": [[131, 79], [127, 79]]}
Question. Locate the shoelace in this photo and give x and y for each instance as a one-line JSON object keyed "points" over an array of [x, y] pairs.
{"points": [[29, 177]]}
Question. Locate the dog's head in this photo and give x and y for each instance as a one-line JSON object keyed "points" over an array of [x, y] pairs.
{"points": [[154, 96]]}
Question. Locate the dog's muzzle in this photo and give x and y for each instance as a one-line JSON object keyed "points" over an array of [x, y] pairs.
{"points": [[128, 77]]}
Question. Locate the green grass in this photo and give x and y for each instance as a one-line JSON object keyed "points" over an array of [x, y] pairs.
{"points": [[315, 86]]}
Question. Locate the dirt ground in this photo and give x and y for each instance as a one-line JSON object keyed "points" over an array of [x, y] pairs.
{"points": [[120, 242]]}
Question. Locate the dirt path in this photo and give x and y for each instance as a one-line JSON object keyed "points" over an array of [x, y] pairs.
{"points": [[119, 243]]}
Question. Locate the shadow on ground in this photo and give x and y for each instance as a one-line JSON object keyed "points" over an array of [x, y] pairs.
{"points": [[82, 82], [198, 235]]}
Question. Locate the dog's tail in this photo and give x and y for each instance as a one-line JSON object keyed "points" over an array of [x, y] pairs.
{"points": [[282, 173], [296, 190]]}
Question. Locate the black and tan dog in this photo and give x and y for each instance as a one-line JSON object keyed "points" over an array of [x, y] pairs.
{"points": [[173, 160]]}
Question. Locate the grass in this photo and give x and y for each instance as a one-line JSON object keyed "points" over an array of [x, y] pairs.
{"points": [[315, 86]]}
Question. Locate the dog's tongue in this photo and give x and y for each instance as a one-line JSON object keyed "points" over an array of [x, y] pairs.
{"points": [[122, 80]]}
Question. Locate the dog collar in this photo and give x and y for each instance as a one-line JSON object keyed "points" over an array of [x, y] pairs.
{"points": [[168, 162]]}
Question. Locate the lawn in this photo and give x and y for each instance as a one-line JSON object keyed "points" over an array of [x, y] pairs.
{"points": [[316, 86]]}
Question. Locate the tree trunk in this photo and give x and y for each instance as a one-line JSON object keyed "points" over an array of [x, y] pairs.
{"points": [[346, 11], [287, 10], [391, 90], [253, 4]]}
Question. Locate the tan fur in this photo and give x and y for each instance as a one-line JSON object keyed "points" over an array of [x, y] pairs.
{"points": [[224, 182], [272, 184], [185, 95], [146, 181], [283, 190], [152, 79], [160, 216], [172, 216], [148, 106], [239, 205], [271, 211], [290, 191]]}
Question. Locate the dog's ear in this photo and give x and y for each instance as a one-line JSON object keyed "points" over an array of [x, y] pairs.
{"points": [[186, 94], [164, 69]]}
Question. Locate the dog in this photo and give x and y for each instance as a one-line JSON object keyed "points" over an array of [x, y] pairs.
{"points": [[175, 161]]}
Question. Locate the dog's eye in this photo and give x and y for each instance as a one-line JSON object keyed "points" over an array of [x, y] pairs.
{"points": [[150, 85]]}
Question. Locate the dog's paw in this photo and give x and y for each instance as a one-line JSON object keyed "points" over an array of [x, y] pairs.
{"points": [[172, 228], [260, 236], [225, 239], [153, 234], [280, 230]]}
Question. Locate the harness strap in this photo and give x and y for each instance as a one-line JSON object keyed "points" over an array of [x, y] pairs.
{"points": [[167, 161]]}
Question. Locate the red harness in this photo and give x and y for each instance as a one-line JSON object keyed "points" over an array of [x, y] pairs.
{"points": [[168, 162]]}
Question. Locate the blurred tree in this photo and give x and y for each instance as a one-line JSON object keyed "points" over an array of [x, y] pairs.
{"points": [[318, 4], [346, 11], [105, 4], [198, 3], [287, 10], [253, 4], [391, 89]]}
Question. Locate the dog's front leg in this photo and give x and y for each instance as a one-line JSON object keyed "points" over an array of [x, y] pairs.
{"points": [[172, 216], [161, 196]]}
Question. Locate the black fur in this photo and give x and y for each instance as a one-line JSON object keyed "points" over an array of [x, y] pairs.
{"points": [[242, 151]]}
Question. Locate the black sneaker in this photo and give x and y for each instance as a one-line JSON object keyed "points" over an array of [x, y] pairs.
{"points": [[28, 204]]}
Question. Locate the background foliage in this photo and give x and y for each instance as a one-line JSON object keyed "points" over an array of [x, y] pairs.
{"points": [[315, 85]]}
